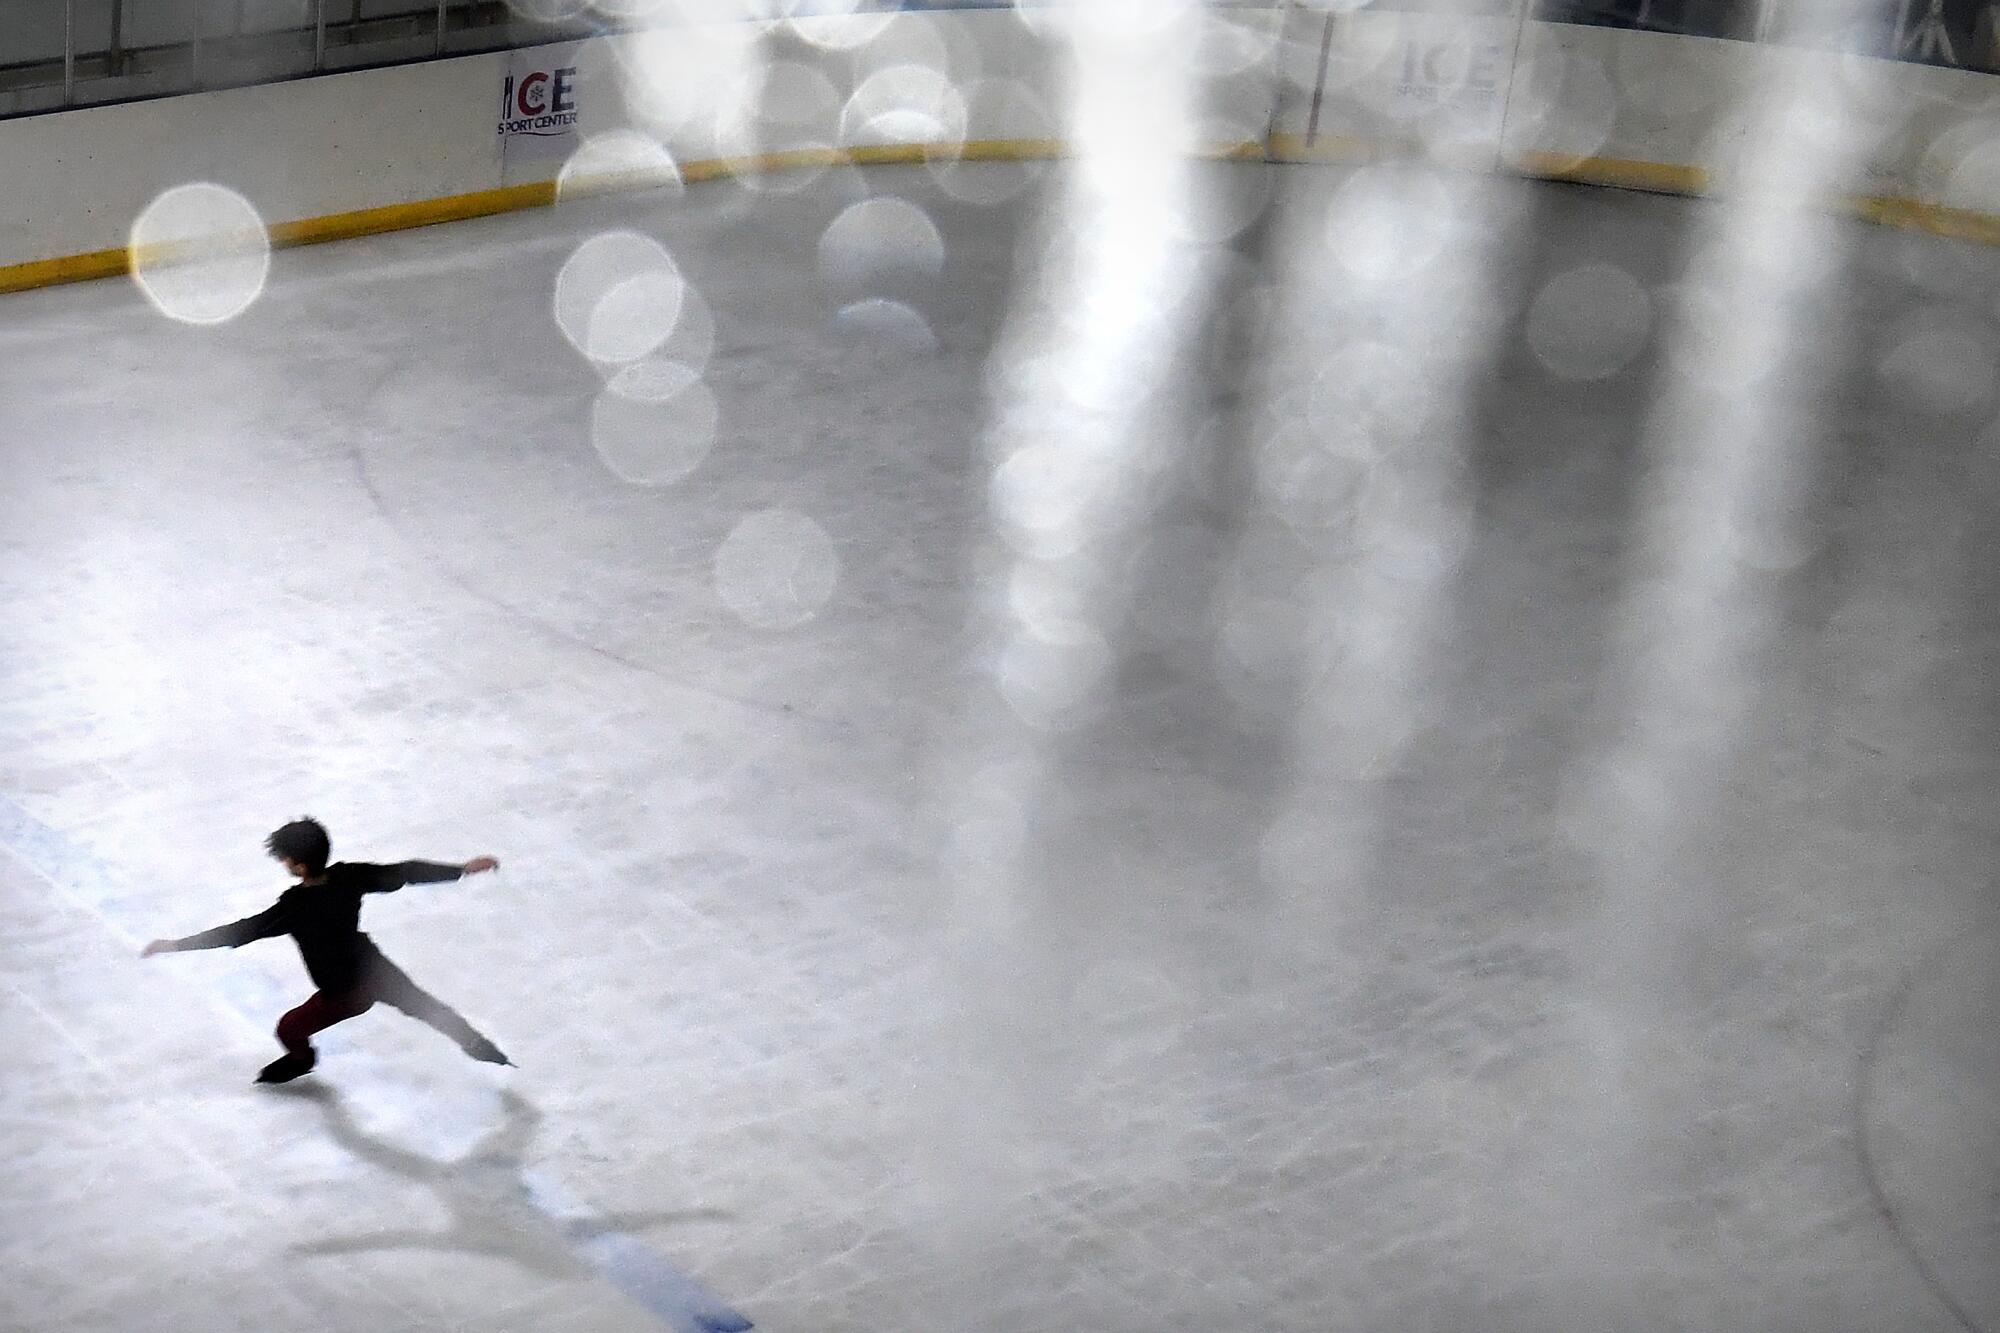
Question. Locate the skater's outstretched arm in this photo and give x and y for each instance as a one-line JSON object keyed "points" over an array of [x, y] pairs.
{"points": [[271, 921], [389, 878]]}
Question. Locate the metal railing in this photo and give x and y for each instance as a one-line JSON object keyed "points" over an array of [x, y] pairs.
{"points": [[57, 54], [1964, 34]]}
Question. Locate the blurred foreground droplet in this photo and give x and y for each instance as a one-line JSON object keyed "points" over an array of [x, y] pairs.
{"points": [[840, 25], [654, 423], [906, 104], [887, 324], [618, 297], [1564, 106], [1942, 363], [783, 140], [200, 253], [1007, 109], [1051, 676], [617, 160], [776, 569], [876, 242], [1386, 223], [1588, 323]]}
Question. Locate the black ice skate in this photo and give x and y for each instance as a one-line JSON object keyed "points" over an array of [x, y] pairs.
{"points": [[286, 1068], [486, 1052]]}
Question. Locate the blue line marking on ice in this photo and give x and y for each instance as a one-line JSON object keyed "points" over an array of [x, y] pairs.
{"points": [[658, 1286], [638, 1272], [648, 1280]]}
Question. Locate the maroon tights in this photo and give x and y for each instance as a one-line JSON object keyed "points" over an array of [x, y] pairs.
{"points": [[386, 983]]}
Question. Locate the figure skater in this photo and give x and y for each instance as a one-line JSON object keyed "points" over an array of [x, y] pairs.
{"points": [[322, 912]]}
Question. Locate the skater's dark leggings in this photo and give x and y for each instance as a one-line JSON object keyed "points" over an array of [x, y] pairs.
{"points": [[387, 983]]}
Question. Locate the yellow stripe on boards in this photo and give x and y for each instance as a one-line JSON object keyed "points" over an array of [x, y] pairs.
{"points": [[878, 155], [422, 213], [1656, 177], [1962, 224], [68, 268], [1663, 177], [540, 194], [1012, 150], [1333, 148], [306, 231], [1624, 173]]}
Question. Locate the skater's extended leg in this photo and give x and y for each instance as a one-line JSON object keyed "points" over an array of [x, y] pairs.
{"points": [[296, 1029], [393, 987]]}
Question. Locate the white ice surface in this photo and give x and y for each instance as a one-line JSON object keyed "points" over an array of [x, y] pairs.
{"points": [[354, 554]]}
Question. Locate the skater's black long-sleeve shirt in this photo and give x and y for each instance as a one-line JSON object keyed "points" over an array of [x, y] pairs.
{"points": [[325, 919]]}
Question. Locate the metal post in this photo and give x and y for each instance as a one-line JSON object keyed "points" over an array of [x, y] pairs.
{"points": [[194, 47], [440, 28], [1319, 79], [319, 35], [69, 52], [117, 36], [1513, 77]]}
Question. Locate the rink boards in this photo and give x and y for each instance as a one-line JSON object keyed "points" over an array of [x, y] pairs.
{"points": [[384, 149]]}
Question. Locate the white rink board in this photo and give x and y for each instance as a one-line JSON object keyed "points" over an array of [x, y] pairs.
{"points": [[376, 138]]}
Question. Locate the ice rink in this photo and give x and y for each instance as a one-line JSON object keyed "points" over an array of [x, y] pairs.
{"points": [[1436, 893]]}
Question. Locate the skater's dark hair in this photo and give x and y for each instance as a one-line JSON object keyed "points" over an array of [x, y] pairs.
{"points": [[302, 840]]}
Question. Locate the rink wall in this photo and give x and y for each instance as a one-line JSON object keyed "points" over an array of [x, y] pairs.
{"points": [[1640, 110], [1930, 137], [382, 149]]}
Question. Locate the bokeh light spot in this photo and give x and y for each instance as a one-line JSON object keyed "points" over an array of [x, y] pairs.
{"points": [[915, 39], [776, 569], [654, 423], [799, 98], [1231, 43], [793, 114], [878, 241], [1129, 1008], [1565, 105], [1385, 223], [840, 25], [692, 79], [905, 104], [200, 253], [1224, 202], [1942, 366], [1051, 676], [1039, 501], [1589, 322], [633, 317], [618, 296], [692, 342], [1008, 109], [617, 160], [887, 324]]}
